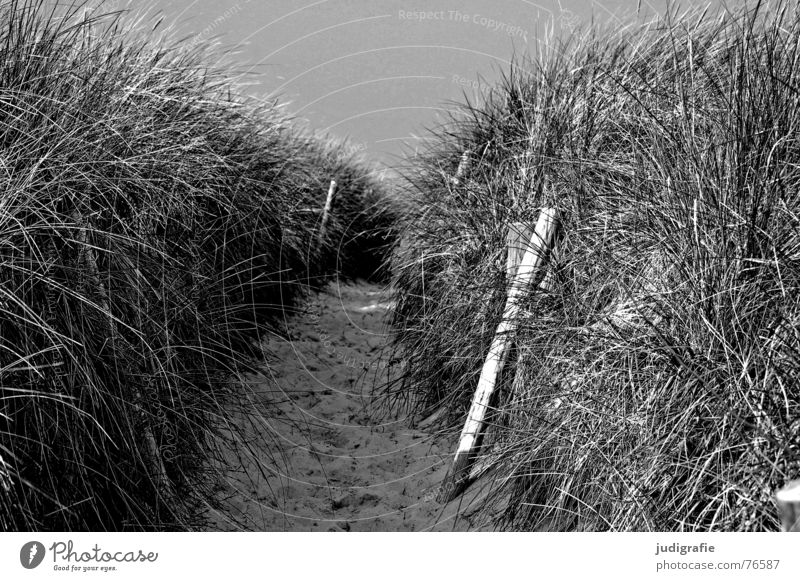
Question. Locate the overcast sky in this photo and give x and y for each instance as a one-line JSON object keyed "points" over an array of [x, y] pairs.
{"points": [[380, 72]]}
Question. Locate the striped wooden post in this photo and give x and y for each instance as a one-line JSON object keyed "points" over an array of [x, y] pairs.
{"points": [[530, 271], [788, 499]]}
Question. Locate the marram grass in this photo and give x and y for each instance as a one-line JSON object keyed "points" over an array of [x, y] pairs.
{"points": [[657, 387], [152, 223]]}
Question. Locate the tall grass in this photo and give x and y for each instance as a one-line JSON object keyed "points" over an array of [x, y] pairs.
{"points": [[151, 222], [656, 387]]}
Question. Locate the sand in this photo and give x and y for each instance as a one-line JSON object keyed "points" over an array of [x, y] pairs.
{"points": [[328, 457]]}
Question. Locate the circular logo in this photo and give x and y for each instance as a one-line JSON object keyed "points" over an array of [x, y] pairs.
{"points": [[31, 554]]}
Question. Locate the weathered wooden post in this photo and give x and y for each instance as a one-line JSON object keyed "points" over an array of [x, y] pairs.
{"points": [[152, 456], [327, 211], [463, 166], [788, 499], [530, 271], [517, 240]]}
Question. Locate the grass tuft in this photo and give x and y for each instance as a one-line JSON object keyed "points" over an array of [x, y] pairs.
{"points": [[656, 387], [152, 224]]}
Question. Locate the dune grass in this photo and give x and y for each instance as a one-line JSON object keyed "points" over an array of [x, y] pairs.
{"points": [[152, 223], [656, 387]]}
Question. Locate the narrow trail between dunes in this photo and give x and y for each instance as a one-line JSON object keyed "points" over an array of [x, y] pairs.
{"points": [[324, 458]]}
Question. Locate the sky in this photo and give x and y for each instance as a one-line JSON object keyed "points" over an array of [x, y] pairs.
{"points": [[381, 72]]}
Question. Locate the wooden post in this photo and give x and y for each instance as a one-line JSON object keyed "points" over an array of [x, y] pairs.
{"points": [[788, 499], [463, 166], [517, 239], [530, 271], [152, 457], [327, 211]]}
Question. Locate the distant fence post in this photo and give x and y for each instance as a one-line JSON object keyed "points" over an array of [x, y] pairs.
{"points": [[463, 166], [327, 211], [530, 270], [788, 499]]}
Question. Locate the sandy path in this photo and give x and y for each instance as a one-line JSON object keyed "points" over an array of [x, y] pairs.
{"points": [[322, 461]]}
